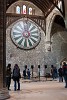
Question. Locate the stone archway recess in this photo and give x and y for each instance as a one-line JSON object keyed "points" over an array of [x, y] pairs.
{"points": [[49, 22], [3, 91]]}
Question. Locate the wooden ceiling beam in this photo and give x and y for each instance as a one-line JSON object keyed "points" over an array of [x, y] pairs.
{"points": [[38, 4], [55, 4]]}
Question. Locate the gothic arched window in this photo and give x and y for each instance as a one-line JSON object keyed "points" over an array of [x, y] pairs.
{"points": [[30, 11], [24, 9], [18, 10]]}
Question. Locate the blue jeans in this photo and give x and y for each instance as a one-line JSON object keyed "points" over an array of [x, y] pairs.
{"points": [[15, 85], [65, 78], [60, 79]]}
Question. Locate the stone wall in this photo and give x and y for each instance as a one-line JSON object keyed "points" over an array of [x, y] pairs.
{"points": [[22, 57], [38, 55]]}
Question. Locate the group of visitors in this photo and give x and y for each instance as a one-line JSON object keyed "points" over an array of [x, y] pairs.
{"points": [[15, 75], [26, 74], [63, 73]]}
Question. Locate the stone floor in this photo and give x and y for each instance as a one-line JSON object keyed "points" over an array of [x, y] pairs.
{"points": [[43, 90]]}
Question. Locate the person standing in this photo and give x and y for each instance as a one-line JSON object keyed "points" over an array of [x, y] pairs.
{"points": [[16, 77], [52, 72], [64, 67], [60, 74], [24, 74], [28, 73], [8, 76], [55, 72]]}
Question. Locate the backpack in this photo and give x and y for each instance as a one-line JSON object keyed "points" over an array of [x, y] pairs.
{"points": [[16, 72]]}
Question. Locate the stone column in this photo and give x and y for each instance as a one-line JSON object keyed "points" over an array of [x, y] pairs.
{"points": [[48, 31], [3, 91]]}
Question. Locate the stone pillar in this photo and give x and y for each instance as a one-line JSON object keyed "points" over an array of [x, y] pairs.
{"points": [[49, 22], [3, 91], [48, 31]]}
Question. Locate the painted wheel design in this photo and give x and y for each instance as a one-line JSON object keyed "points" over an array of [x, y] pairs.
{"points": [[25, 34]]}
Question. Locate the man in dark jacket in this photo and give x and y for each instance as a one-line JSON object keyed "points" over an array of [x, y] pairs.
{"points": [[60, 74], [65, 73], [8, 76]]}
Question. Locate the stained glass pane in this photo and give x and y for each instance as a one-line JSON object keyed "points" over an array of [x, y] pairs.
{"points": [[30, 11], [18, 10], [24, 9]]}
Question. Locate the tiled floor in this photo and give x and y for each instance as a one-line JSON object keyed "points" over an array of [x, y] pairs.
{"points": [[43, 90]]}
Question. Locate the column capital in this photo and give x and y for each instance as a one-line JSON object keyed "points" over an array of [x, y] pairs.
{"points": [[48, 42], [48, 46]]}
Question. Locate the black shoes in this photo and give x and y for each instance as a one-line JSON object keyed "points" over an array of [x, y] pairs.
{"points": [[18, 89], [65, 86], [9, 89]]}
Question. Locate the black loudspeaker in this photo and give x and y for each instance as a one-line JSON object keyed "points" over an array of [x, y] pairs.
{"points": [[52, 66], [45, 66], [32, 66], [38, 66]]}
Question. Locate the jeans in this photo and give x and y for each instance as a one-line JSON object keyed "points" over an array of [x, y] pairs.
{"points": [[60, 79], [65, 78], [8, 81], [15, 85]]}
